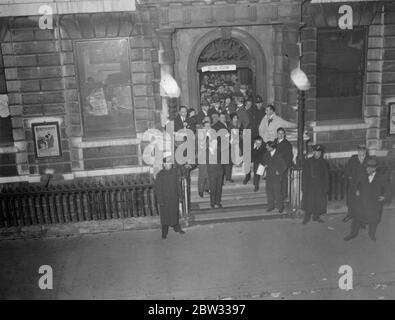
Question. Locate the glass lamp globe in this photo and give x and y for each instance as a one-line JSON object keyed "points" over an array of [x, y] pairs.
{"points": [[170, 86], [299, 78]]}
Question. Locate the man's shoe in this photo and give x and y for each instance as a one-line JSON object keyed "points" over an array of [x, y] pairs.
{"points": [[349, 237], [305, 221], [269, 209], [373, 238], [245, 181], [181, 231], [164, 236], [319, 220], [218, 205], [348, 218], [230, 180], [281, 210], [201, 195], [212, 206], [256, 189]]}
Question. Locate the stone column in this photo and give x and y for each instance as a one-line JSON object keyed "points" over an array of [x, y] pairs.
{"points": [[166, 61], [278, 72], [291, 53]]}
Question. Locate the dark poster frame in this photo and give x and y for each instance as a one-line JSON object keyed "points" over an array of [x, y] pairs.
{"points": [[132, 130], [56, 140]]}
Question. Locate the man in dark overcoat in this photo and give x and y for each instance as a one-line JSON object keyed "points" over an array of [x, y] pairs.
{"points": [[259, 113], [275, 167], [215, 169], [315, 185], [284, 147], [167, 195], [257, 155], [181, 120], [203, 112], [372, 190], [355, 167]]}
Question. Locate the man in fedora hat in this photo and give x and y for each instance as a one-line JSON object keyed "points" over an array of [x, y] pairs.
{"points": [[315, 185], [168, 195], [355, 167], [372, 190], [275, 167]]}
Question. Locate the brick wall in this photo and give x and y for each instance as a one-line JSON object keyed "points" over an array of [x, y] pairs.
{"points": [[388, 77], [41, 78], [40, 83]]}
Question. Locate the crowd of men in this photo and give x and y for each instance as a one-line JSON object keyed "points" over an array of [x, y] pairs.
{"points": [[271, 152], [271, 158]]}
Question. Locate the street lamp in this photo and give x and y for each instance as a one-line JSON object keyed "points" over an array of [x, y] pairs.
{"points": [[300, 80]]}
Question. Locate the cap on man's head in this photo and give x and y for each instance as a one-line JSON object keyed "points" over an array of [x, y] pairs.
{"points": [[318, 147], [204, 103], [167, 157], [215, 99], [258, 99], [371, 163]]}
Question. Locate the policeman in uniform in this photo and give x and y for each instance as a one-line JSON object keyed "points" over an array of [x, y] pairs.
{"points": [[315, 185]]}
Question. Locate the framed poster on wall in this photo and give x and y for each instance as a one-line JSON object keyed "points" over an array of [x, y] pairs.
{"points": [[46, 136], [391, 118]]}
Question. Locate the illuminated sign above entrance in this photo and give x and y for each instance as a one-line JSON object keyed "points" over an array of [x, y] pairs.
{"points": [[216, 68]]}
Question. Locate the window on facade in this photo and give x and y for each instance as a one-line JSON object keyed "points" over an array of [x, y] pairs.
{"points": [[340, 74], [105, 88], [5, 122]]}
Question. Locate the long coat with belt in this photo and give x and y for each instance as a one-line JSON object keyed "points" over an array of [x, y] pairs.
{"points": [[167, 195], [368, 207], [353, 171], [315, 185]]}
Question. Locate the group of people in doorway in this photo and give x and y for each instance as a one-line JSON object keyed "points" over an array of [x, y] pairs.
{"points": [[272, 158]]}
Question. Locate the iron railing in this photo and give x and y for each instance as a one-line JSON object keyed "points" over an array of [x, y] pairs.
{"points": [[337, 182], [63, 203]]}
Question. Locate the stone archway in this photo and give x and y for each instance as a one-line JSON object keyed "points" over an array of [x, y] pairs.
{"points": [[257, 63]]}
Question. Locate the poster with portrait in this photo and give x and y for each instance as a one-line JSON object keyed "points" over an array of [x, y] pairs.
{"points": [[46, 138], [391, 117]]}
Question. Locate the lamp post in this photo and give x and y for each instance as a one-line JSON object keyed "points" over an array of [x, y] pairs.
{"points": [[300, 80]]}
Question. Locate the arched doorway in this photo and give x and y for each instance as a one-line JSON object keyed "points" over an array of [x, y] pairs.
{"points": [[227, 47], [225, 68]]}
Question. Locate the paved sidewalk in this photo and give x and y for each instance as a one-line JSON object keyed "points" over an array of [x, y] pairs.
{"points": [[272, 258]]}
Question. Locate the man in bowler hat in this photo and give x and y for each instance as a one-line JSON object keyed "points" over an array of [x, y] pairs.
{"points": [[372, 190]]}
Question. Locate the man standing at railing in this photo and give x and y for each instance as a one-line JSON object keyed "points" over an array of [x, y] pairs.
{"points": [[315, 185]]}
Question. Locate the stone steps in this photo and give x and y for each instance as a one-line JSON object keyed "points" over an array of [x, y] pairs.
{"points": [[239, 202], [243, 213]]}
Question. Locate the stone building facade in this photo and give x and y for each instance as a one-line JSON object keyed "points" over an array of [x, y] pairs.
{"points": [[45, 74]]}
